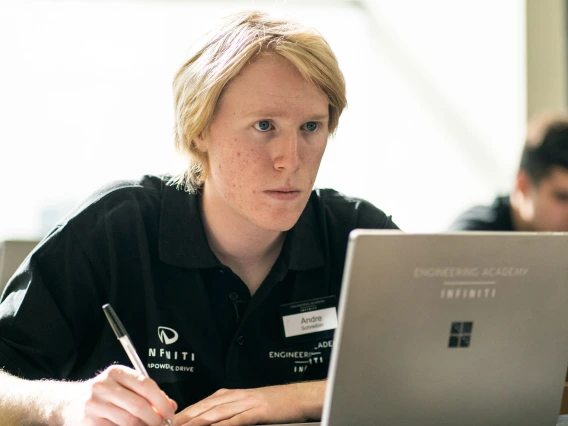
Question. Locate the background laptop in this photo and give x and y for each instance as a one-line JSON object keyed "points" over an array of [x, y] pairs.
{"points": [[466, 328]]}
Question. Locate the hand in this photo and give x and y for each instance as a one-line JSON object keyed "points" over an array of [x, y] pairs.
{"points": [[118, 396], [297, 402]]}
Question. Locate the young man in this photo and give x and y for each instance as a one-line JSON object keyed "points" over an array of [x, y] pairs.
{"points": [[539, 201], [200, 267]]}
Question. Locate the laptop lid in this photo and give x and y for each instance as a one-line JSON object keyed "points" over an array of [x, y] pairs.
{"points": [[465, 328]]}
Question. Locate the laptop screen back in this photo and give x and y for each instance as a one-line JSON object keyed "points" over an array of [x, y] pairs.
{"points": [[446, 329]]}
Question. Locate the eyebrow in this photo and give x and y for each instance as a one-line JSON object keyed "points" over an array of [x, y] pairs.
{"points": [[278, 114]]}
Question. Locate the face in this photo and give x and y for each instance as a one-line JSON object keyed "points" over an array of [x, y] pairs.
{"points": [[548, 202], [264, 146]]}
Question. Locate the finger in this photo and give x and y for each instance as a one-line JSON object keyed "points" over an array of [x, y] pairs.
{"points": [[220, 397], [221, 413], [103, 422], [138, 406], [173, 403], [245, 418], [121, 402], [108, 414], [146, 388]]}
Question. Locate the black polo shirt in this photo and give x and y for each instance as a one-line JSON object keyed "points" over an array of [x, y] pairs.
{"points": [[141, 247], [494, 217]]}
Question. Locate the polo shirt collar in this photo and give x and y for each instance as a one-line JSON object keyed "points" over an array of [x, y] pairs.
{"points": [[182, 239]]}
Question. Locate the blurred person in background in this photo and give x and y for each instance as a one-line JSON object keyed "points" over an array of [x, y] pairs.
{"points": [[539, 199]]}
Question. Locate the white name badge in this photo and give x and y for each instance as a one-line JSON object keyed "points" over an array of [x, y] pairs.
{"points": [[310, 322]]}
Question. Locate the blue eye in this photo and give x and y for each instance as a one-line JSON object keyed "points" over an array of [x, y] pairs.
{"points": [[311, 126], [263, 125]]}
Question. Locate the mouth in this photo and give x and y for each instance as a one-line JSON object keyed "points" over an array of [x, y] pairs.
{"points": [[283, 193]]}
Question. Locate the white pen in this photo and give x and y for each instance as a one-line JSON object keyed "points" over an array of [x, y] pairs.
{"points": [[124, 339]]}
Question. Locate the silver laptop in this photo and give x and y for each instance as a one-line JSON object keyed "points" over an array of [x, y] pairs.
{"points": [[447, 329]]}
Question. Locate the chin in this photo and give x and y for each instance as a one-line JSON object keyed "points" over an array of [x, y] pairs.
{"points": [[281, 223]]}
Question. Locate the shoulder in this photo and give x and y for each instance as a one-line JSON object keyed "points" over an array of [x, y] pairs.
{"points": [[122, 197], [352, 211], [121, 216], [492, 217], [121, 190], [118, 206]]}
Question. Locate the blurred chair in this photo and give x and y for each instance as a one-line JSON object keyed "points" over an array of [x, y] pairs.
{"points": [[12, 254]]}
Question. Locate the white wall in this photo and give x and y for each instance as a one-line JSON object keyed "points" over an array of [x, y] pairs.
{"points": [[442, 102], [434, 123], [547, 88]]}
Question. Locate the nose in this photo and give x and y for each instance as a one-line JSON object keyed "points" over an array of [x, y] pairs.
{"points": [[286, 152]]}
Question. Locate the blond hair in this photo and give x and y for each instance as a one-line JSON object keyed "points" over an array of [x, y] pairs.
{"points": [[223, 53]]}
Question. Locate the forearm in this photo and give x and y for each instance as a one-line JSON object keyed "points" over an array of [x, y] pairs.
{"points": [[26, 402], [310, 397]]}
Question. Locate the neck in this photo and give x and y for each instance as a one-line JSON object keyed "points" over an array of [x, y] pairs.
{"points": [[249, 251]]}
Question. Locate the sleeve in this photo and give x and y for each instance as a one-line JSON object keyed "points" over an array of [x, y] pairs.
{"points": [[465, 224], [46, 308], [371, 217], [478, 218]]}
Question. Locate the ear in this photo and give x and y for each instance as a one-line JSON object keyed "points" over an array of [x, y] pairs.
{"points": [[201, 141], [523, 184]]}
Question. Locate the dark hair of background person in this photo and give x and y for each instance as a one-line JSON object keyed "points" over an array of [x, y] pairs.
{"points": [[546, 145]]}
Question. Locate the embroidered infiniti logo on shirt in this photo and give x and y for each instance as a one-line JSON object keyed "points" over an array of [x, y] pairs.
{"points": [[173, 359], [163, 335]]}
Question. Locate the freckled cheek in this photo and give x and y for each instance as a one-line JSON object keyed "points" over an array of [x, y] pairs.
{"points": [[250, 163], [240, 172], [313, 159], [313, 152], [313, 164]]}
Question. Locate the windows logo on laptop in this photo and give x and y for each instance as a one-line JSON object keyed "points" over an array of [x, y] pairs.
{"points": [[460, 334]]}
